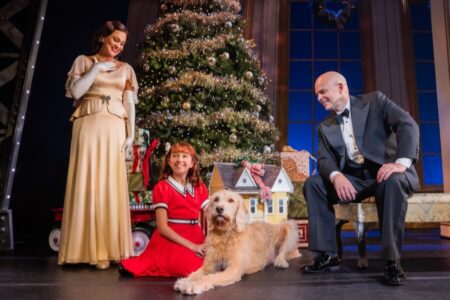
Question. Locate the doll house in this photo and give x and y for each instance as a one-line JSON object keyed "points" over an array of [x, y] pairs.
{"points": [[240, 180]]}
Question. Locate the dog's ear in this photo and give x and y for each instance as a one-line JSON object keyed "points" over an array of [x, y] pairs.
{"points": [[241, 214], [208, 215]]}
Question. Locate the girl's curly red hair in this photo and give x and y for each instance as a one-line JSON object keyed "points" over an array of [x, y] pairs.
{"points": [[193, 175]]}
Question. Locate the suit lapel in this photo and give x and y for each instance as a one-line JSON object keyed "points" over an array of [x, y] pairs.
{"points": [[332, 131], [359, 112]]}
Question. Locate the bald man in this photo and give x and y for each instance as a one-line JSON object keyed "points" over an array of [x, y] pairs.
{"points": [[367, 147]]}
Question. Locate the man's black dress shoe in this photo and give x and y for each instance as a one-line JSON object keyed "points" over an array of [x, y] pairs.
{"points": [[393, 274], [322, 263], [124, 272]]}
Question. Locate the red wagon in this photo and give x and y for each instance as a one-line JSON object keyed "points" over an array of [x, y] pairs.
{"points": [[143, 223]]}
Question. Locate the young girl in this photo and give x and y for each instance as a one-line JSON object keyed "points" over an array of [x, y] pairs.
{"points": [[176, 247]]}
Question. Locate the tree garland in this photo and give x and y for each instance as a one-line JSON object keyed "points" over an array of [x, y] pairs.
{"points": [[339, 17]]}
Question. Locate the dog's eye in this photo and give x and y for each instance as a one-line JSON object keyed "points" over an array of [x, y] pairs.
{"points": [[216, 199], [231, 200]]}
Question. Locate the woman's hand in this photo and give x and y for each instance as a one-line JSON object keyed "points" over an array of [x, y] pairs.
{"points": [[199, 249], [106, 66]]}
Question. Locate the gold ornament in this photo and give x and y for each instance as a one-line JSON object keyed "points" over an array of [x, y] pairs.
{"points": [[165, 102], [171, 70], [224, 56], [186, 105], [232, 138], [211, 60], [248, 75]]}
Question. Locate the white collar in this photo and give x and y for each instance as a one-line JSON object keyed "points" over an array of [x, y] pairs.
{"points": [[181, 188], [347, 106]]}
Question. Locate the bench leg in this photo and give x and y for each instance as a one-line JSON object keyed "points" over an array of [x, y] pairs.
{"points": [[339, 224], [361, 233]]}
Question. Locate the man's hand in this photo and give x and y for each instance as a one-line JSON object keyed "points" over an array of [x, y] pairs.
{"points": [[386, 170], [344, 188]]}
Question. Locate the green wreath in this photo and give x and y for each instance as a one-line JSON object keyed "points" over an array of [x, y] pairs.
{"points": [[339, 17]]}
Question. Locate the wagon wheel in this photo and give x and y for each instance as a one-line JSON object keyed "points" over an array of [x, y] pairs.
{"points": [[54, 238], [141, 238]]}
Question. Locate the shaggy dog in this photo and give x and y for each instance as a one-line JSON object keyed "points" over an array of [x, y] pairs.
{"points": [[235, 248]]}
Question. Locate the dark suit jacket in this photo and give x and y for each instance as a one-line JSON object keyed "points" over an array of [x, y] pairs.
{"points": [[383, 133]]}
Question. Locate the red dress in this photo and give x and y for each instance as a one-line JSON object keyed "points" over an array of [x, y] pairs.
{"points": [[163, 257]]}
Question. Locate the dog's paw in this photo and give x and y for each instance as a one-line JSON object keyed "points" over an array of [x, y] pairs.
{"points": [[197, 287], [280, 263], [180, 284]]}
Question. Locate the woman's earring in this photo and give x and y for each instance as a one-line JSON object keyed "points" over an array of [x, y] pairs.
{"points": [[100, 40]]}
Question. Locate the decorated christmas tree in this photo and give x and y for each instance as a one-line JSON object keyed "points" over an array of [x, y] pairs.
{"points": [[201, 82]]}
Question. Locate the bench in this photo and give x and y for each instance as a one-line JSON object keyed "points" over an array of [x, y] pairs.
{"points": [[422, 208]]}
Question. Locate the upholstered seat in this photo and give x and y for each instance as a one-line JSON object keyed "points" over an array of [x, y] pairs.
{"points": [[422, 208]]}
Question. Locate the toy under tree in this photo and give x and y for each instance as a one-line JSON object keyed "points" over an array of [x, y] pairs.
{"points": [[200, 82]]}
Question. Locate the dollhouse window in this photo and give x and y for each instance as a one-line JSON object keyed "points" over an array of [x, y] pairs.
{"points": [[269, 206], [281, 206], [252, 206]]}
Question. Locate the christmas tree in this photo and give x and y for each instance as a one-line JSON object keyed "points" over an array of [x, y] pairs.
{"points": [[200, 82]]}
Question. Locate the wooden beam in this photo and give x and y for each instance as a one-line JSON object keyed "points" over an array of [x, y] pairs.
{"points": [[440, 22]]}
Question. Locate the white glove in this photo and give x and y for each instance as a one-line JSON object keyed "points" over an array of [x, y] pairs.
{"points": [[80, 85], [128, 102]]}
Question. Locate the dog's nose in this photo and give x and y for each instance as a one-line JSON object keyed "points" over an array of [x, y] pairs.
{"points": [[219, 209]]}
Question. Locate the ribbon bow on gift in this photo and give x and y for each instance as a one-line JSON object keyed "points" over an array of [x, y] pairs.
{"points": [[257, 171]]}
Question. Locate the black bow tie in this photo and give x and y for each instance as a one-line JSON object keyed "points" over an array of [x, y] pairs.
{"points": [[344, 114]]}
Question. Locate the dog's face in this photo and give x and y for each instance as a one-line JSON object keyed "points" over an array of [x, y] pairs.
{"points": [[227, 210]]}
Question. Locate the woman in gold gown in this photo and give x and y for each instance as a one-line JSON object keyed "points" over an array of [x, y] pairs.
{"points": [[96, 227]]}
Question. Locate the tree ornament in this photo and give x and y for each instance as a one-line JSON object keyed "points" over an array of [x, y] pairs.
{"points": [[165, 102], [186, 105], [211, 60], [175, 27], [261, 80], [248, 75], [267, 149], [163, 7], [171, 70], [224, 56], [228, 24], [146, 67], [258, 108], [271, 119], [232, 138]]}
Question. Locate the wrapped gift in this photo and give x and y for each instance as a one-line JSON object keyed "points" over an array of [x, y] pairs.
{"points": [[142, 197], [302, 226], [136, 182], [295, 163], [297, 204], [445, 230], [142, 136], [138, 160]]}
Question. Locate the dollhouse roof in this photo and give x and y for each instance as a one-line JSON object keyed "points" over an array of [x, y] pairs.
{"points": [[241, 180]]}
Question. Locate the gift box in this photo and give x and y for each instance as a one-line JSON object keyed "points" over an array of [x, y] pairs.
{"points": [[136, 182], [138, 160], [445, 230], [140, 198], [297, 208], [302, 226], [295, 163]]}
